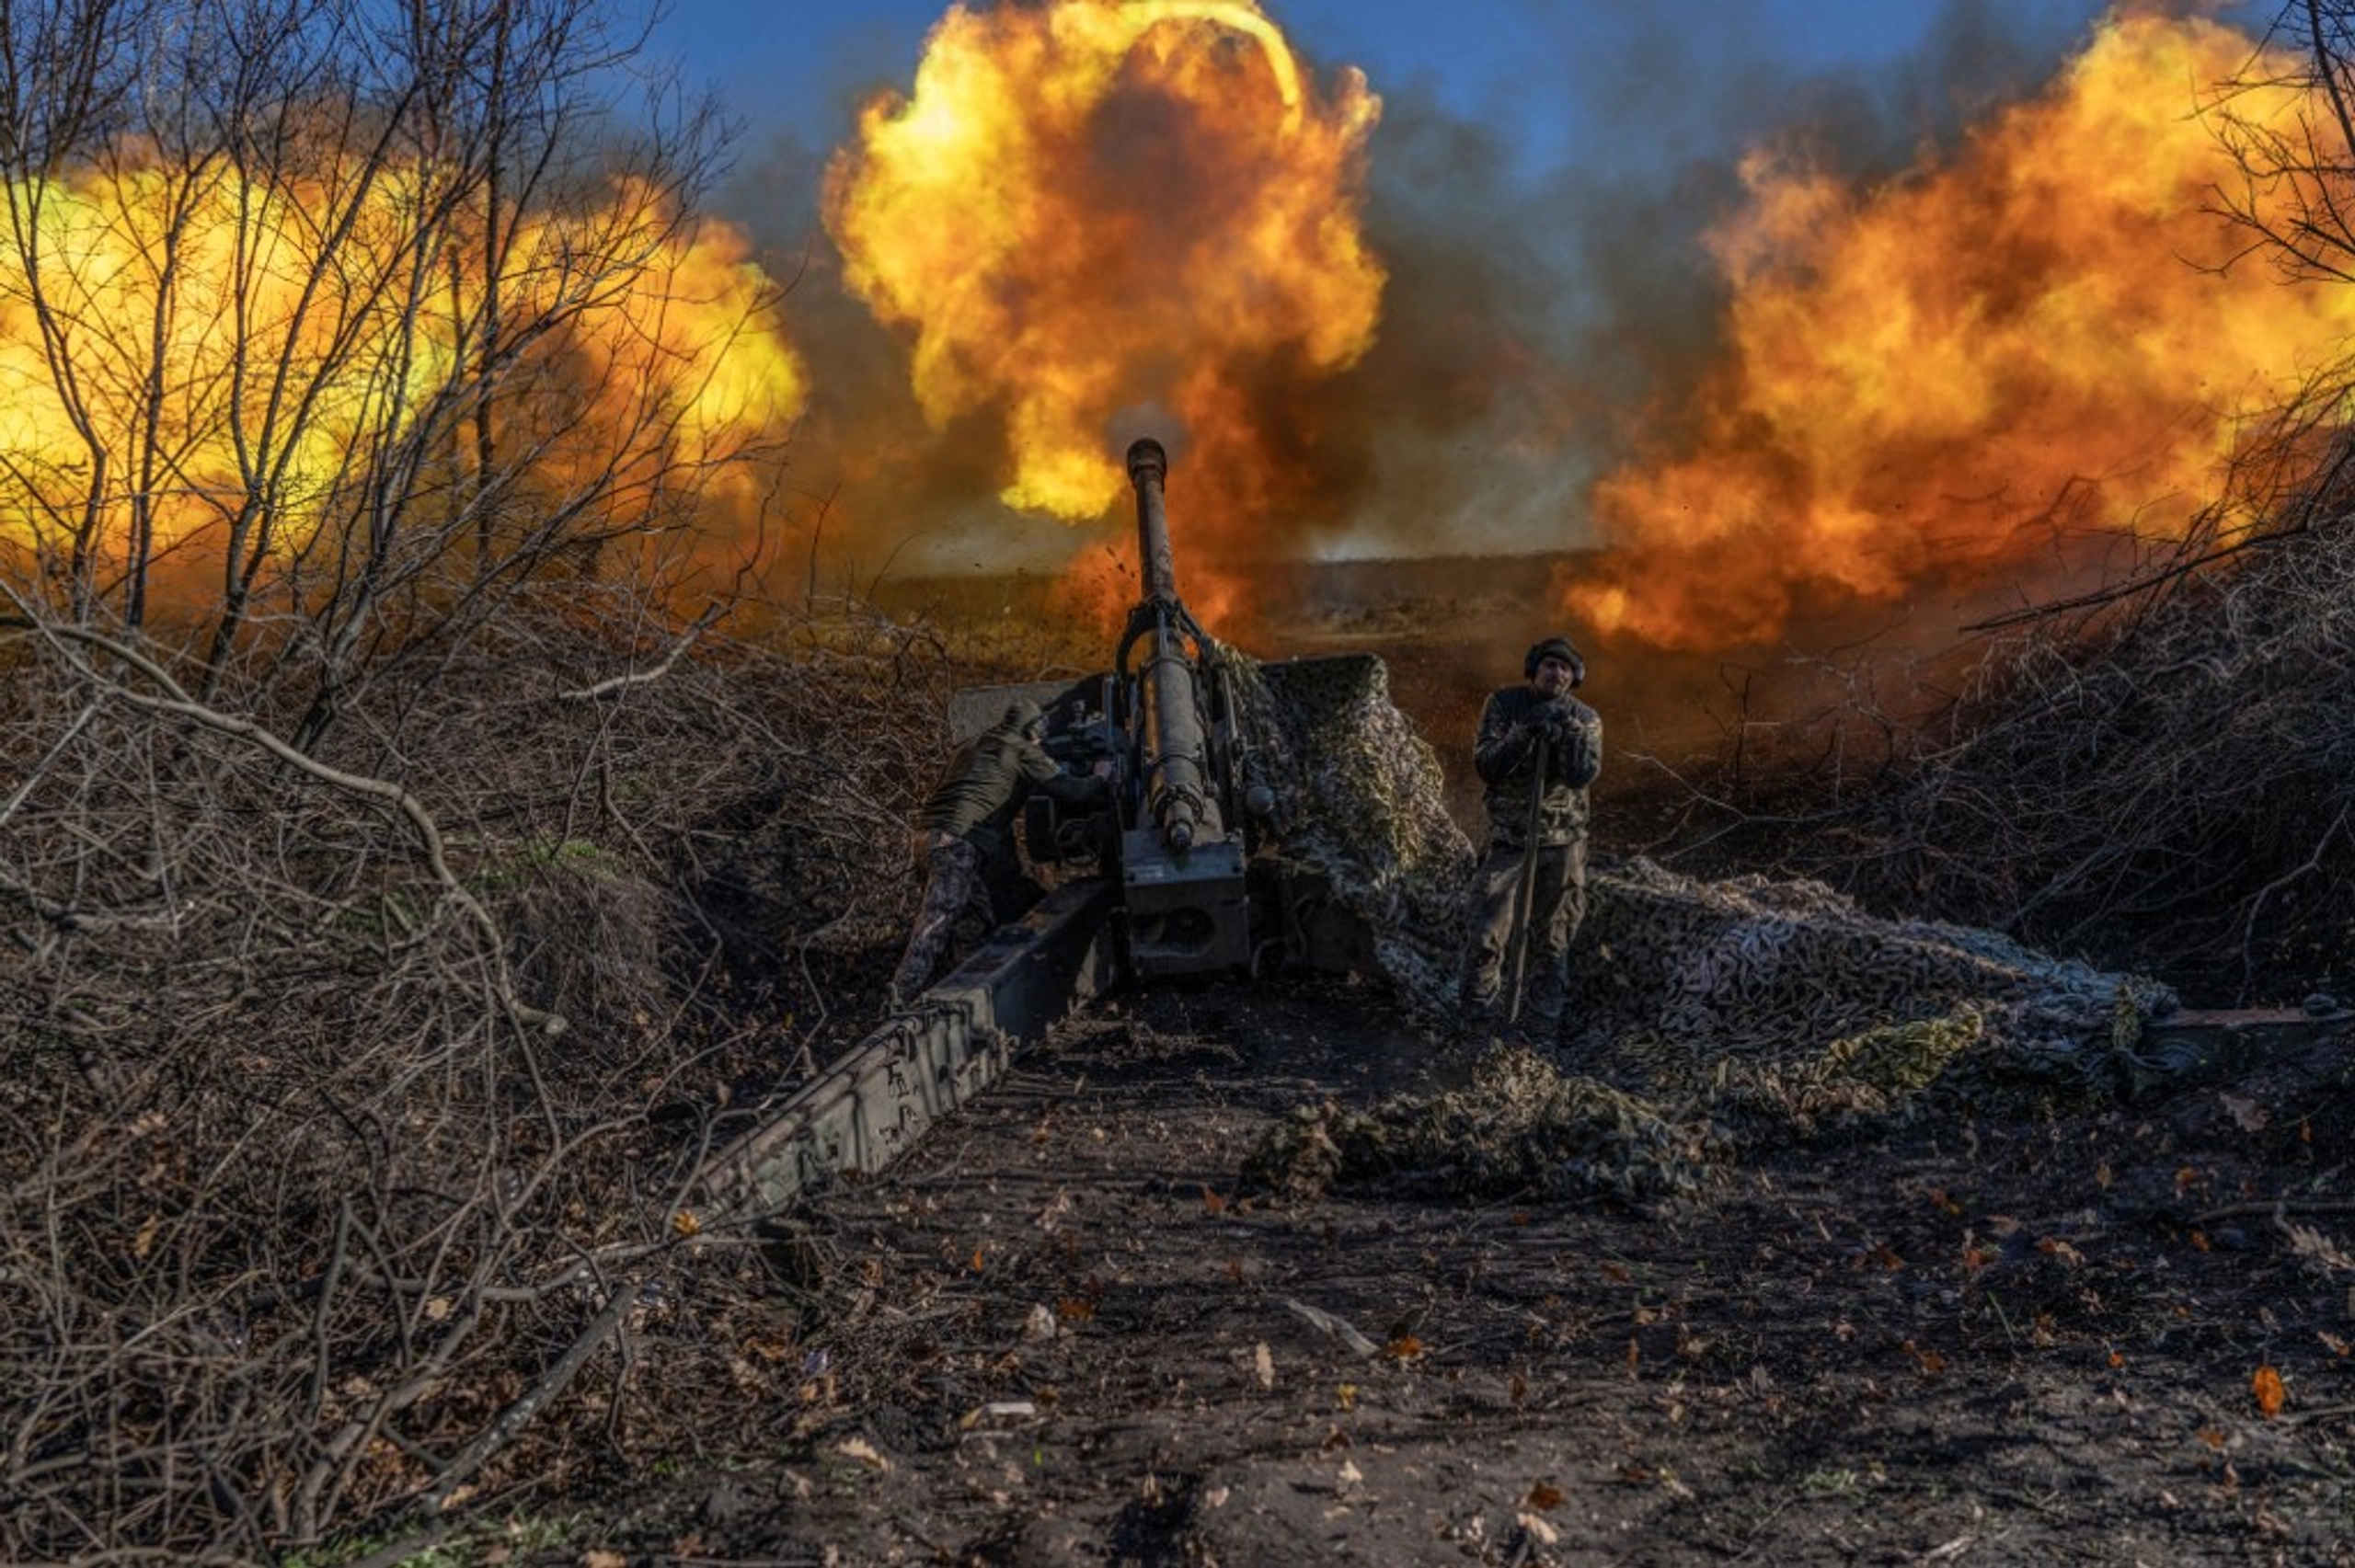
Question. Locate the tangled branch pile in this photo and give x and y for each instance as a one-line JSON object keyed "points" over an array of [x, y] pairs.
{"points": [[349, 1093], [2182, 775], [2162, 774]]}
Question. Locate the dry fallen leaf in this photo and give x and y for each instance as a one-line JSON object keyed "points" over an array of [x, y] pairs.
{"points": [[686, 1223], [2251, 1116], [1263, 1365], [1212, 1203], [2315, 1247], [1929, 1361], [1337, 1327], [598, 1557], [1002, 1410], [2270, 1395], [862, 1451], [1543, 1497]]}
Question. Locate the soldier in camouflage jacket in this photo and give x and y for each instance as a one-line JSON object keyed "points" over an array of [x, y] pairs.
{"points": [[965, 833], [1518, 724]]}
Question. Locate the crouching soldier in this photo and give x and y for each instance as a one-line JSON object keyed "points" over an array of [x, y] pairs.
{"points": [[1538, 749], [965, 835]]}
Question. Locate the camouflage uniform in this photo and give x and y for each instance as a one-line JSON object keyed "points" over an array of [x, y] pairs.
{"points": [[965, 837], [953, 886], [1511, 724]]}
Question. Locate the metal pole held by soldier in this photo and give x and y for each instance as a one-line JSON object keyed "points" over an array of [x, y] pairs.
{"points": [[1524, 897]]}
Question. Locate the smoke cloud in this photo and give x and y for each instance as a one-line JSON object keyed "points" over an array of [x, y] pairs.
{"points": [[1540, 320]]}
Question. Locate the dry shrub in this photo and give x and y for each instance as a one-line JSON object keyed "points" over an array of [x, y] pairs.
{"points": [[350, 1096], [2159, 774], [587, 935], [2170, 781]]}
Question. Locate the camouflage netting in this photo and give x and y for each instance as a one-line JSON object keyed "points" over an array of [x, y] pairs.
{"points": [[1361, 802], [1521, 1128], [1682, 975], [1721, 1015]]}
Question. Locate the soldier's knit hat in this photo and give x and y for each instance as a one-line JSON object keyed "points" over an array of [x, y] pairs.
{"points": [[1021, 714], [1555, 647]]}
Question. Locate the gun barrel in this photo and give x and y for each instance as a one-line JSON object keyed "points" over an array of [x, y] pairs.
{"points": [[1148, 467], [1176, 767]]}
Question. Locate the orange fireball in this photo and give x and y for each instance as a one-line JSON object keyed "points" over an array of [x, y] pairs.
{"points": [[1098, 220], [1949, 380]]}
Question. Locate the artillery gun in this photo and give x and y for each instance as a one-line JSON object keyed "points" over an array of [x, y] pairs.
{"points": [[1191, 840], [1184, 873]]}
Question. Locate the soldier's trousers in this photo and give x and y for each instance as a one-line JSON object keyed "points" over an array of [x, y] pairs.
{"points": [[953, 885], [1558, 904]]}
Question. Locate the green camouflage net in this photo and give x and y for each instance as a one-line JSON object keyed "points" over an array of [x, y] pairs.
{"points": [[1705, 1018], [1360, 799], [1523, 1127], [1681, 976]]}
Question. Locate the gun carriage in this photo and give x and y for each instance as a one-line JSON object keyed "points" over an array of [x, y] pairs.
{"points": [[1183, 874]]}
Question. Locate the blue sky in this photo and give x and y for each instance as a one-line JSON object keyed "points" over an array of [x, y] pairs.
{"points": [[1516, 64]]}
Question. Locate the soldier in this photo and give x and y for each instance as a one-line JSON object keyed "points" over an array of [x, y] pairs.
{"points": [[965, 833], [1519, 724]]}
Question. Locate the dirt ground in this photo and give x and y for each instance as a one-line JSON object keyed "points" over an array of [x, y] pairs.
{"points": [[2001, 1331]]}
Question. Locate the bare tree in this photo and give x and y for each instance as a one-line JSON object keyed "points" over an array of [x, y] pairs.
{"points": [[336, 322], [355, 415], [2290, 125]]}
